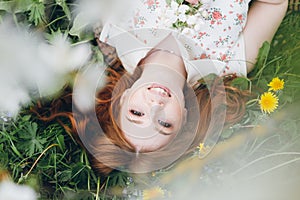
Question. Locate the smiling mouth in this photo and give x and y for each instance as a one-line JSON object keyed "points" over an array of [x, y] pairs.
{"points": [[162, 90]]}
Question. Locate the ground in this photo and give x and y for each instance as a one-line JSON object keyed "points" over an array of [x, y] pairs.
{"points": [[263, 149]]}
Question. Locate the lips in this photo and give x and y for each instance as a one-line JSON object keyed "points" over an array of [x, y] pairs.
{"points": [[162, 90]]}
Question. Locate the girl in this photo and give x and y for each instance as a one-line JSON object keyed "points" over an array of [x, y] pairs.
{"points": [[154, 111]]}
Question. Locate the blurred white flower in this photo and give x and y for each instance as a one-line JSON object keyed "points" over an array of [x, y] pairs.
{"points": [[86, 85], [12, 191], [33, 68], [90, 8], [63, 58], [94, 11]]}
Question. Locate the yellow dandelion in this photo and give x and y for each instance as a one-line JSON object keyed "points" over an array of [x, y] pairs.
{"points": [[268, 102], [276, 84], [201, 146], [153, 193]]}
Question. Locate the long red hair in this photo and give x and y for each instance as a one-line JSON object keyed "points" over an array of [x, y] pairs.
{"points": [[109, 149]]}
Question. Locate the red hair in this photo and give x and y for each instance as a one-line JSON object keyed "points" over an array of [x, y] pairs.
{"points": [[109, 149]]}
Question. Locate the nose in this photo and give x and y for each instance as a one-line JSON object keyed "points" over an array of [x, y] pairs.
{"points": [[156, 97], [156, 100]]}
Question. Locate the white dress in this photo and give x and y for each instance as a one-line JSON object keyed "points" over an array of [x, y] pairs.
{"points": [[215, 46]]}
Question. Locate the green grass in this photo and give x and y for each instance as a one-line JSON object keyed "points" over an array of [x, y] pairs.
{"points": [[47, 158]]}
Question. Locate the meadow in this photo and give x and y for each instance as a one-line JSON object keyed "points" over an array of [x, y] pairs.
{"points": [[261, 149]]}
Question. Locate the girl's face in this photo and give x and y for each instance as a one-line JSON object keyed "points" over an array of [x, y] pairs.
{"points": [[152, 110], [151, 116]]}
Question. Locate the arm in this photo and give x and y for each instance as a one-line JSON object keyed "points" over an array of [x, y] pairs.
{"points": [[273, 1], [264, 18]]}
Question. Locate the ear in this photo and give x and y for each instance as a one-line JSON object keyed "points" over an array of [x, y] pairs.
{"points": [[124, 95], [184, 115]]}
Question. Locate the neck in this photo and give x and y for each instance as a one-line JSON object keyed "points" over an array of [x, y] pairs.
{"points": [[174, 61], [164, 75]]}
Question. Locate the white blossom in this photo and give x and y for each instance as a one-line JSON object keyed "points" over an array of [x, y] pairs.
{"points": [[183, 8], [188, 31], [174, 5], [12, 191], [197, 27], [171, 16], [175, 12], [63, 58], [182, 17], [32, 68], [191, 20], [86, 85], [204, 13]]}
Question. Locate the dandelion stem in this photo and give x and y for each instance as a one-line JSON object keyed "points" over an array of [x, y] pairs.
{"points": [[40, 156], [98, 189], [264, 157], [252, 101], [57, 19], [289, 74], [275, 167]]}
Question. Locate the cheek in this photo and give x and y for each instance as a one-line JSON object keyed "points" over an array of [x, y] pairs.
{"points": [[136, 98], [175, 109]]}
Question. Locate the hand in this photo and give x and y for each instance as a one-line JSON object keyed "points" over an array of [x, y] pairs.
{"points": [[192, 1]]}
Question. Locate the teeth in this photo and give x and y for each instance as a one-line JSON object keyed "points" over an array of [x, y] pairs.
{"points": [[160, 90]]}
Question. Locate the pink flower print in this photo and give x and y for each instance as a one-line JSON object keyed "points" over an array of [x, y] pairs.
{"points": [[239, 1], [151, 4], [223, 57], [216, 15], [201, 34], [222, 41], [203, 56], [240, 18], [138, 20]]}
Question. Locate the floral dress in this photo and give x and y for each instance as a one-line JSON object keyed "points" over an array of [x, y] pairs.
{"points": [[214, 36]]}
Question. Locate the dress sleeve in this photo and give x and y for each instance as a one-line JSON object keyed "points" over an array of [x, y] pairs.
{"points": [[129, 48]]}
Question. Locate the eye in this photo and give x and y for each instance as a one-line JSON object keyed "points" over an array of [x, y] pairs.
{"points": [[164, 124], [136, 113]]}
